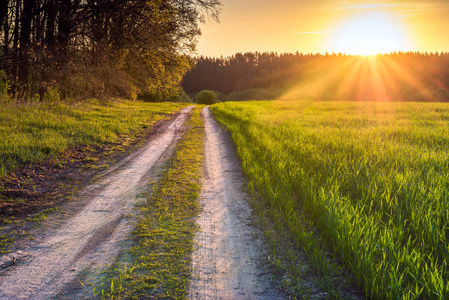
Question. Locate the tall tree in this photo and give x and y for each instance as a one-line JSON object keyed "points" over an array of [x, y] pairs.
{"points": [[25, 38], [109, 45]]}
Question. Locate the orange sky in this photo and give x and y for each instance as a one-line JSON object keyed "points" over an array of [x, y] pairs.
{"points": [[356, 27]]}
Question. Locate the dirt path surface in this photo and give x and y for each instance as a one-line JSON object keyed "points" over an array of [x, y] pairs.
{"points": [[228, 261], [55, 262]]}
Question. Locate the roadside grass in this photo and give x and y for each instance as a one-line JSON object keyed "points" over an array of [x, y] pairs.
{"points": [[306, 274], [37, 132], [158, 264], [370, 180], [94, 128]]}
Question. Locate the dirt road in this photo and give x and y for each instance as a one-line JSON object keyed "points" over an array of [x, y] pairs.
{"points": [[228, 261], [56, 261]]}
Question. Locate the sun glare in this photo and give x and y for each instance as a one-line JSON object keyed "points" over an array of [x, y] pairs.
{"points": [[369, 34]]}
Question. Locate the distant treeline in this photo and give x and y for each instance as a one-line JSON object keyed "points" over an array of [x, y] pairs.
{"points": [[91, 47], [399, 76]]}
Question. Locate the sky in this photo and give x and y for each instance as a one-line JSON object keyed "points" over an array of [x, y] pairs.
{"points": [[312, 26]]}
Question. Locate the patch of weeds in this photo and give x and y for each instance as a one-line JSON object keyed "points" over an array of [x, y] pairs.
{"points": [[163, 238], [15, 200], [97, 167], [9, 220], [5, 243], [39, 217], [114, 287], [90, 159]]}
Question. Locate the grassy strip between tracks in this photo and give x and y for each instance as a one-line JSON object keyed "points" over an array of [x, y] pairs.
{"points": [[368, 179], [159, 261]]}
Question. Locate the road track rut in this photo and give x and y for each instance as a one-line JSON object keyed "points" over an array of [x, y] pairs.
{"points": [[228, 260]]}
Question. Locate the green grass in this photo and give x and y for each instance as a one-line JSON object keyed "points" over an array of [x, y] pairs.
{"points": [[370, 178], [42, 215], [163, 239], [37, 132]]}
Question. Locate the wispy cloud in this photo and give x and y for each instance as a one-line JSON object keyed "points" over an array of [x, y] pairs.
{"points": [[415, 6], [312, 32], [404, 8], [410, 9]]}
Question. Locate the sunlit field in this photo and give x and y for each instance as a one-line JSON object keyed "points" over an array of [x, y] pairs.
{"points": [[38, 132], [372, 177]]}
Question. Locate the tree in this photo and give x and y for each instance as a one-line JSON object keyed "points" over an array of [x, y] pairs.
{"points": [[99, 46]]}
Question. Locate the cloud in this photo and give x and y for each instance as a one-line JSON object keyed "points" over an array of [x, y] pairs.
{"points": [[404, 8], [413, 6]]}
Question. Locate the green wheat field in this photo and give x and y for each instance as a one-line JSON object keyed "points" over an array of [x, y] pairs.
{"points": [[372, 178]]}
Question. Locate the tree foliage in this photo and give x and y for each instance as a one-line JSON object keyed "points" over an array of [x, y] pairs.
{"points": [[98, 46]]}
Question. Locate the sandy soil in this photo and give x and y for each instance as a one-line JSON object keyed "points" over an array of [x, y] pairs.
{"points": [[54, 263], [229, 260]]}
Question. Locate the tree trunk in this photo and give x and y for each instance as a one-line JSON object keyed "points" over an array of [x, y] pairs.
{"points": [[50, 16], [15, 48], [25, 37], [3, 10], [4, 23]]}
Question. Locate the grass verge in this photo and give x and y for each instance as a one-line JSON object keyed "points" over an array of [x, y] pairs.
{"points": [[36, 132], [47, 152], [159, 261]]}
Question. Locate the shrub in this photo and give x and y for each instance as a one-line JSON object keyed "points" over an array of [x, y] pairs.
{"points": [[151, 96], [4, 86], [183, 97], [206, 97], [173, 94], [221, 96], [134, 92], [52, 95]]}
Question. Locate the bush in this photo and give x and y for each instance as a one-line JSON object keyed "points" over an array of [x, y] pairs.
{"points": [[221, 97], [151, 96], [174, 94], [52, 95], [183, 97], [206, 97], [4, 86]]}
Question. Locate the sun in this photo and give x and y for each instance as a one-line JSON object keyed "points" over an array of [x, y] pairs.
{"points": [[369, 34]]}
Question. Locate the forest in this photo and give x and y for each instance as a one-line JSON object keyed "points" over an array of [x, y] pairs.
{"points": [[82, 48], [398, 76]]}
